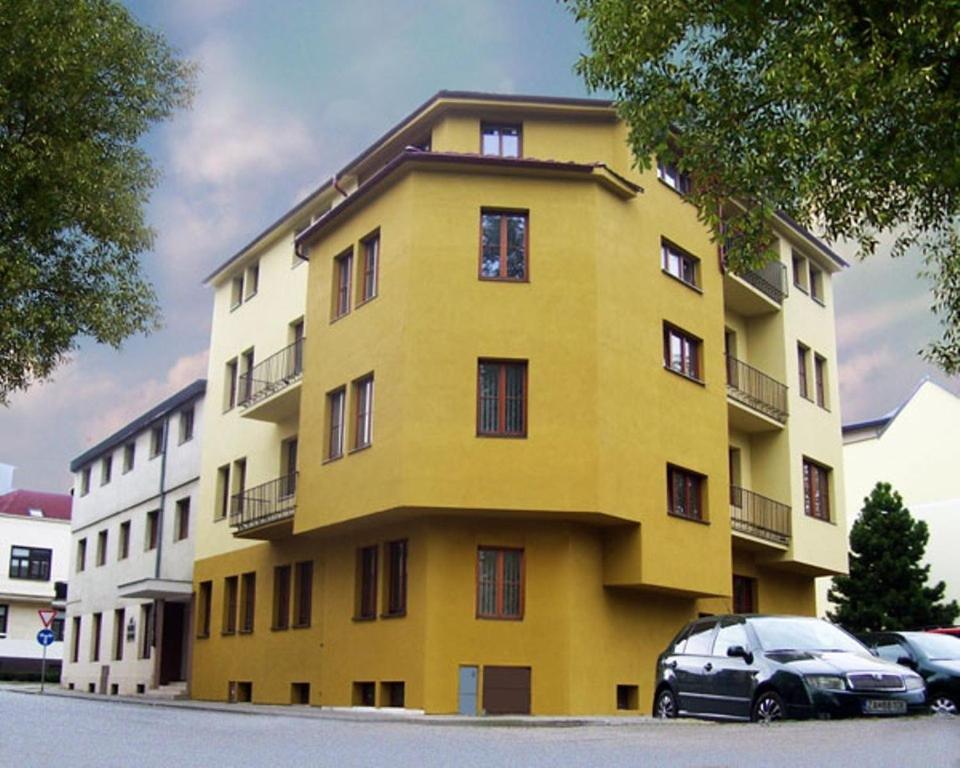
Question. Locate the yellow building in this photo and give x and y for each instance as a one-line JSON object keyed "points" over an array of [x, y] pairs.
{"points": [[496, 424]]}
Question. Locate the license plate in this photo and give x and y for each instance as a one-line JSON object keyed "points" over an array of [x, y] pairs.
{"points": [[885, 707]]}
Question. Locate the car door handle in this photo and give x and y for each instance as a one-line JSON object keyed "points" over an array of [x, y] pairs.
{"points": [[707, 667]]}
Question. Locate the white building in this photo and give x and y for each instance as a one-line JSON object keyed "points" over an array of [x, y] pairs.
{"points": [[34, 550], [129, 606], [915, 448]]}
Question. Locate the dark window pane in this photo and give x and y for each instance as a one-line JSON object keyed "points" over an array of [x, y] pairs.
{"points": [[516, 247], [490, 234]]}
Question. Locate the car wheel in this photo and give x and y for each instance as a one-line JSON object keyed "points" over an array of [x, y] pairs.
{"points": [[942, 704], [767, 708], [665, 705]]}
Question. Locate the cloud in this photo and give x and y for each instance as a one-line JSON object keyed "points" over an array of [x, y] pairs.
{"points": [[857, 373], [854, 327]]}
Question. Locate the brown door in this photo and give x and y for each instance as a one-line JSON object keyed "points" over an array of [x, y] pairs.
{"points": [[171, 648], [506, 690]]}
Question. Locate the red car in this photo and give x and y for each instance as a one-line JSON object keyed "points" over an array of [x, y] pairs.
{"points": [[955, 631]]}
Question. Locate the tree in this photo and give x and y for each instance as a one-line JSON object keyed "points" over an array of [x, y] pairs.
{"points": [[80, 83], [845, 115], [887, 586]]}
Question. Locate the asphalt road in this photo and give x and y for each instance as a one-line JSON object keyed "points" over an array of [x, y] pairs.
{"points": [[53, 731]]}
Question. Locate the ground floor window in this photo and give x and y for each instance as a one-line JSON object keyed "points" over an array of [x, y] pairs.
{"points": [[744, 594], [499, 583]]}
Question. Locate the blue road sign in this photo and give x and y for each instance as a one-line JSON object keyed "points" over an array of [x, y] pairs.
{"points": [[45, 636]]}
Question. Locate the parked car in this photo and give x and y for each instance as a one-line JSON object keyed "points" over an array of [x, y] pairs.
{"points": [[955, 631], [936, 657], [771, 667]]}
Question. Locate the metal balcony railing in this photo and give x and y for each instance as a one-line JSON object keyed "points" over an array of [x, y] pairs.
{"points": [[771, 280], [754, 388], [267, 503], [273, 374], [759, 516]]}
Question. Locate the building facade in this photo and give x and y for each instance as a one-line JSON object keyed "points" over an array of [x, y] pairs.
{"points": [[34, 550], [490, 404], [914, 448], [132, 544]]}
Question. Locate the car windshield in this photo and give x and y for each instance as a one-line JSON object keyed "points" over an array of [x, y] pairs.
{"points": [[799, 634], [936, 647]]}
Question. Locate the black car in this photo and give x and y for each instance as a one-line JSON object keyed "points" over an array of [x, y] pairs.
{"points": [[771, 667], [936, 657]]}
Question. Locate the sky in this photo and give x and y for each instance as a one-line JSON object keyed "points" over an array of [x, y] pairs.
{"points": [[290, 91]]}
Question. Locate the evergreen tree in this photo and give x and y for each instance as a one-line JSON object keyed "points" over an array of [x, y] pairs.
{"points": [[887, 586]]}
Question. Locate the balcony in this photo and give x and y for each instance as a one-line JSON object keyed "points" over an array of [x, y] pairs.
{"points": [[271, 390], [756, 292], [759, 401], [759, 517], [265, 511]]}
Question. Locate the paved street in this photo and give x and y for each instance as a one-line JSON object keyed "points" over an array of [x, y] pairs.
{"points": [[51, 730]]}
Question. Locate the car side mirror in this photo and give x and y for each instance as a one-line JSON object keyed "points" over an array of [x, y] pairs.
{"points": [[907, 662], [738, 651]]}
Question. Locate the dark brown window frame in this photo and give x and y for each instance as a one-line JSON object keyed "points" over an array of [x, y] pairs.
{"points": [[342, 282], [333, 396], [501, 430], [248, 602], [123, 542], [363, 412], [504, 214], [302, 594], [204, 606], [282, 596], [819, 379], [370, 279], [365, 607], [231, 601], [816, 285], [684, 181], [803, 370], [695, 343], [489, 127], [816, 476], [499, 613], [668, 247], [395, 578], [692, 482], [800, 270], [152, 532], [182, 525]]}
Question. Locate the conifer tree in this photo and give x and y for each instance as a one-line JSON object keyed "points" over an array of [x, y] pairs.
{"points": [[887, 586]]}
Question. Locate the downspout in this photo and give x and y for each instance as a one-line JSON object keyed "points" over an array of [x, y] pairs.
{"points": [[158, 604]]}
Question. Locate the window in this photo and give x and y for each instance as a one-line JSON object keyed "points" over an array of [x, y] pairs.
{"points": [[230, 385], [363, 403], [101, 548], [744, 594], [816, 490], [146, 630], [57, 626], [803, 355], [288, 467], [81, 555], [204, 601], [129, 455], [499, 583], [75, 640], [230, 590], [295, 334], [395, 577], [503, 245], [342, 269], [502, 398], [371, 267], [680, 264], [31, 563], [156, 441], [335, 408], [239, 479], [303, 594], [153, 521], [730, 635], [673, 177], [95, 639], [800, 272], [186, 425], [248, 594], [85, 481], [119, 619], [182, 529], [123, 551], [253, 281], [700, 639], [685, 493], [281, 597], [246, 377], [366, 603], [223, 492], [681, 352], [500, 140], [816, 284], [4, 613], [819, 377], [106, 469], [236, 291]]}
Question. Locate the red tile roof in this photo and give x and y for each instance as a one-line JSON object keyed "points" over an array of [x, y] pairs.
{"points": [[53, 505]]}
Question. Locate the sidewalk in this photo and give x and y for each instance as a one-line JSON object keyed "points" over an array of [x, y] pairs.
{"points": [[356, 714]]}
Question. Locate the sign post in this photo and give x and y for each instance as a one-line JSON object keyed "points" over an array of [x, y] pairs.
{"points": [[45, 637]]}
